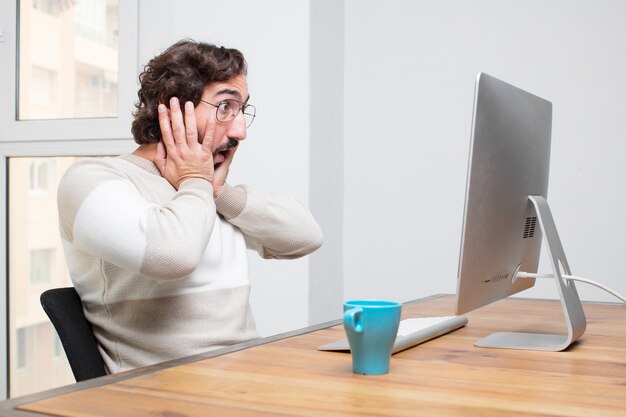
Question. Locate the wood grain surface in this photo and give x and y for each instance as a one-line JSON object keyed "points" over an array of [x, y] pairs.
{"points": [[447, 376]]}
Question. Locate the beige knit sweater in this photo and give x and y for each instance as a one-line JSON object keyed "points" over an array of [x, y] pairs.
{"points": [[163, 273]]}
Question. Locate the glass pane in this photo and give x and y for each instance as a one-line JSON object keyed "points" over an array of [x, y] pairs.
{"points": [[37, 360], [68, 59], [41, 265]]}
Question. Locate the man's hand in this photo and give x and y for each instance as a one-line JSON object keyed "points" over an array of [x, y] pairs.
{"points": [[179, 155], [221, 172]]}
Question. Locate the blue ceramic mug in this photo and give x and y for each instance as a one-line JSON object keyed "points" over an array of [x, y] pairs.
{"points": [[371, 327]]}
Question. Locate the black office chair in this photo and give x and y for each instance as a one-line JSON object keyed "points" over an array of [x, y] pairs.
{"points": [[65, 310]]}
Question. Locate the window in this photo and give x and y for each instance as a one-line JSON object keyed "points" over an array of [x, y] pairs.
{"points": [[47, 6], [58, 346], [22, 353], [43, 90], [59, 66], [35, 264], [41, 265], [96, 91], [68, 59], [41, 175]]}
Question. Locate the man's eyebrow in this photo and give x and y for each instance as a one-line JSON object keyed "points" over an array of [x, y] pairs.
{"points": [[229, 92], [232, 93]]}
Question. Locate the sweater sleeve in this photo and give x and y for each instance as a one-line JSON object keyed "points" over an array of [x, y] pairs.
{"points": [[275, 226], [102, 214]]}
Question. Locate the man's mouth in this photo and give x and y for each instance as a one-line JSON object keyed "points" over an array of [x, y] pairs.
{"points": [[221, 152]]}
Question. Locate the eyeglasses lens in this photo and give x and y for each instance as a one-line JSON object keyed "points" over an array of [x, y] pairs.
{"points": [[249, 112], [227, 110]]}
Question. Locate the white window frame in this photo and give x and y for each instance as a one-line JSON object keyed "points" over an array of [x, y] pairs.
{"points": [[63, 137], [68, 129]]}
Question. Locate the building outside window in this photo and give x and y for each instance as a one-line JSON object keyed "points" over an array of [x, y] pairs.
{"points": [[68, 59], [63, 65], [22, 345], [41, 172], [36, 263], [58, 347], [67, 68], [42, 266]]}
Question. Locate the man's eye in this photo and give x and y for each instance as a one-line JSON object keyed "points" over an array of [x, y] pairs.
{"points": [[224, 106]]}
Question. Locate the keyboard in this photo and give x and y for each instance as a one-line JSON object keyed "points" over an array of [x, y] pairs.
{"points": [[412, 332]]}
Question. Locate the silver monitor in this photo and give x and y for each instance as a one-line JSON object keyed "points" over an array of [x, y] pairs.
{"points": [[506, 211]]}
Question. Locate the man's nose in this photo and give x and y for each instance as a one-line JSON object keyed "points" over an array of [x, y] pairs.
{"points": [[238, 129]]}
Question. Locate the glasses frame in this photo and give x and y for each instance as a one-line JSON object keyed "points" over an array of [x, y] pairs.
{"points": [[242, 108]]}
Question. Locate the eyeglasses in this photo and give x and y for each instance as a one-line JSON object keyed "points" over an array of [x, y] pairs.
{"points": [[228, 109]]}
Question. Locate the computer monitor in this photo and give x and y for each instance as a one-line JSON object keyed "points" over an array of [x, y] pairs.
{"points": [[506, 211]]}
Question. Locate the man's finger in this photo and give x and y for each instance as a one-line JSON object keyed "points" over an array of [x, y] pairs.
{"points": [[178, 126], [229, 156], [160, 159], [191, 131], [164, 124], [209, 134]]}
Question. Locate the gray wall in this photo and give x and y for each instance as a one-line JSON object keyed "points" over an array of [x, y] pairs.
{"points": [[364, 114], [327, 156], [409, 83]]}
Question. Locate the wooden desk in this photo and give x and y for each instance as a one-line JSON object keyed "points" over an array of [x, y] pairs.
{"points": [[444, 377]]}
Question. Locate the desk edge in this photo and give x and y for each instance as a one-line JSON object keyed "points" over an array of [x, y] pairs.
{"points": [[8, 408]]}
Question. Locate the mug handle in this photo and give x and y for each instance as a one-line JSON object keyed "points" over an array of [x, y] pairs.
{"points": [[353, 320]]}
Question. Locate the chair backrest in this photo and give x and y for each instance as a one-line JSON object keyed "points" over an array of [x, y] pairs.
{"points": [[65, 310]]}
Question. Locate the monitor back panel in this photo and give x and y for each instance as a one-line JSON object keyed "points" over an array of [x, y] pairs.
{"points": [[509, 160]]}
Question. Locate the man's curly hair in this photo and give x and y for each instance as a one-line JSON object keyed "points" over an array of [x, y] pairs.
{"points": [[183, 70]]}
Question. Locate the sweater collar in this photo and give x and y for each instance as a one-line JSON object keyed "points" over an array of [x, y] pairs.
{"points": [[142, 163]]}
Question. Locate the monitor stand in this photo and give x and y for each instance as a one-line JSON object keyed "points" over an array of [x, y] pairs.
{"points": [[572, 307]]}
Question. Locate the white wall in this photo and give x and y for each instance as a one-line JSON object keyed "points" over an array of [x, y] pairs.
{"points": [[327, 156], [409, 83], [387, 178], [274, 38]]}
